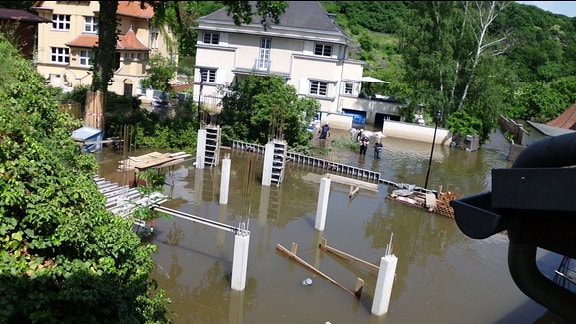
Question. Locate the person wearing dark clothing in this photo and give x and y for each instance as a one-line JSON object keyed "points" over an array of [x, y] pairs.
{"points": [[359, 136], [364, 145], [324, 131], [377, 149]]}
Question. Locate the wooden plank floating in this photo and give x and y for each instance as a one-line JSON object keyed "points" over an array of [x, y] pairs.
{"points": [[350, 258], [293, 255], [352, 182]]}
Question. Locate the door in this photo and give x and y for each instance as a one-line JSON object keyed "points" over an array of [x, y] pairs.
{"points": [[128, 89], [264, 57]]}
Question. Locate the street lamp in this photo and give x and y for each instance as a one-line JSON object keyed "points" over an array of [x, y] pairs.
{"points": [[438, 118]]}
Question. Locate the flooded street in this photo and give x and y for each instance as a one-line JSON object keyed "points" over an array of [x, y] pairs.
{"points": [[442, 276]]}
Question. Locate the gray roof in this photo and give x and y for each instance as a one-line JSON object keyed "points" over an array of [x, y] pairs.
{"points": [[21, 15], [549, 130], [299, 14]]}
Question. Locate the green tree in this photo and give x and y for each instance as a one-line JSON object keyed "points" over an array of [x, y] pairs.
{"points": [[448, 50], [259, 109], [539, 102], [160, 74], [63, 256]]}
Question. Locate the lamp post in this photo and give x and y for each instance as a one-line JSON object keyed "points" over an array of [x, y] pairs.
{"points": [[438, 118]]}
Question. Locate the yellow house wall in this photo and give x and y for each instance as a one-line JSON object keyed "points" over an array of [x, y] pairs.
{"points": [[129, 72]]}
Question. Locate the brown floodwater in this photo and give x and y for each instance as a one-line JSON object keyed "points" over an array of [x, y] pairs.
{"points": [[442, 276]]}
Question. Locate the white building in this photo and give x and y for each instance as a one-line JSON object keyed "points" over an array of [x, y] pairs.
{"points": [[307, 48]]}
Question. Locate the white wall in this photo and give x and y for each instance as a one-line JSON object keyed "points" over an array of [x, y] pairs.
{"points": [[416, 132]]}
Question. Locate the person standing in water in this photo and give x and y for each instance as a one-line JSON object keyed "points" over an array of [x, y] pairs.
{"points": [[364, 144], [324, 131], [377, 149]]}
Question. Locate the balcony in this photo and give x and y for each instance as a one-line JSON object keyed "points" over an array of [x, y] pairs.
{"points": [[262, 65]]}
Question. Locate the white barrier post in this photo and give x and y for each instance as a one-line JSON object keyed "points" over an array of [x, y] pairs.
{"points": [[267, 166], [240, 260], [322, 206], [198, 184], [225, 180], [264, 202], [384, 282], [200, 149]]}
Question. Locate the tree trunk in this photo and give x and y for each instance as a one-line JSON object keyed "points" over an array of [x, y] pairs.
{"points": [[103, 71]]}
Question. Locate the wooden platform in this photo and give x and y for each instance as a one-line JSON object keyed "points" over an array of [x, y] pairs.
{"points": [[153, 160]]}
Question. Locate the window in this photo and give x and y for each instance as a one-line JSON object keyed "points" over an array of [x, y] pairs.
{"points": [[208, 75], [211, 38], [154, 39], [91, 24], [318, 88], [348, 87], [323, 50], [61, 22], [264, 55], [85, 58], [60, 55]]}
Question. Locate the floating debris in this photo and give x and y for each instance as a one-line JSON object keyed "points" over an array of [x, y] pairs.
{"points": [[307, 282]]}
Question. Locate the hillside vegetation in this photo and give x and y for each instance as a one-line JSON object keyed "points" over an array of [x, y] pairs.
{"points": [[534, 64]]}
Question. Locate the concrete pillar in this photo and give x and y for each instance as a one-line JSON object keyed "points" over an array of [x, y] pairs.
{"points": [[198, 186], [220, 233], [268, 162], [225, 180], [264, 202], [236, 311], [322, 206], [200, 148], [384, 284], [240, 260]]}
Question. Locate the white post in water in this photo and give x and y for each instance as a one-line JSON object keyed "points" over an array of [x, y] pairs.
{"points": [[200, 149], [225, 180], [384, 282], [322, 206], [268, 162], [264, 202], [240, 259]]}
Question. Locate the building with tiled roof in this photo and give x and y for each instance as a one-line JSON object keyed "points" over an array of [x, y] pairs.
{"points": [[66, 45], [26, 27], [566, 120]]}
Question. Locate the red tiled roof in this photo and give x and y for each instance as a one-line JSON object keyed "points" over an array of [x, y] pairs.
{"points": [[125, 8], [84, 40], [125, 42], [130, 42], [133, 9], [181, 87], [567, 120]]}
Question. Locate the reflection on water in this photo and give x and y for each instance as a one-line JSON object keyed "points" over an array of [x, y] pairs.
{"points": [[442, 276]]}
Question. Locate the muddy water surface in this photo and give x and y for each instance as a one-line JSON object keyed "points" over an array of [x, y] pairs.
{"points": [[442, 276]]}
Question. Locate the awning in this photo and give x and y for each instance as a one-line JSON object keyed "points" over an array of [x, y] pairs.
{"points": [[373, 80]]}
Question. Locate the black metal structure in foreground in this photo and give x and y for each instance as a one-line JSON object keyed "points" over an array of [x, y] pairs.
{"points": [[535, 202]]}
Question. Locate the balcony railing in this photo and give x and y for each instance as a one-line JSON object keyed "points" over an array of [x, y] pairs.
{"points": [[262, 65]]}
